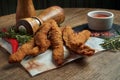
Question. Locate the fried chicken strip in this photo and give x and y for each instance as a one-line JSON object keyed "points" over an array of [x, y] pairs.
{"points": [[75, 41], [41, 38], [57, 43], [21, 52]]}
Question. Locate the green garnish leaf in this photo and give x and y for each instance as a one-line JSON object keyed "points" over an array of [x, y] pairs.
{"points": [[22, 36]]}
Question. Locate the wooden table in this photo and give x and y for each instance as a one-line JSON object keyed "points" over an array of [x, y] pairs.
{"points": [[104, 66]]}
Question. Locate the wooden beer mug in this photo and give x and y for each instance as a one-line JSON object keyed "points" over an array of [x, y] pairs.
{"points": [[32, 24], [25, 9]]}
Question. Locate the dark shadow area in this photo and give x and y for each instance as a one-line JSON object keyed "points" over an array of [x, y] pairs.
{"points": [[9, 6], [81, 62]]}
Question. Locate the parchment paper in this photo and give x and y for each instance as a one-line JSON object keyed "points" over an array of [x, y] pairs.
{"points": [[44, 62]]}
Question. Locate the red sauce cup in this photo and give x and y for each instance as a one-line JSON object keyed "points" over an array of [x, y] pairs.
{"points": [[100, 20]]}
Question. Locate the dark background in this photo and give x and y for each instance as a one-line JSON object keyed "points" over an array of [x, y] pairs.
{"points": [[9, 6]]}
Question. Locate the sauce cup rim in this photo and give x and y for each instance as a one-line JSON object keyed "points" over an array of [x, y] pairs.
{"points": [[91, 13]]}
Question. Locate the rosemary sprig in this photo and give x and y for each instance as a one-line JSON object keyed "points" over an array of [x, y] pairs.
{"points": [[112, 43]]}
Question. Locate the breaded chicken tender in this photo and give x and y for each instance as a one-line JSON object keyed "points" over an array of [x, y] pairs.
{"points": [[41, 37], [75, 41], [57, 43], [22, 52], [49, 34]]}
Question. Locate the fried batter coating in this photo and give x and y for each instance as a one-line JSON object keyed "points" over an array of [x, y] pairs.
{"points": [[57, 43], [34, 51], [41, 37], [49, 34], [85, 50], [75, 41], [21, 52]]}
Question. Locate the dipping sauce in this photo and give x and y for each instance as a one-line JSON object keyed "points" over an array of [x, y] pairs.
{"points": [[101, 15]]}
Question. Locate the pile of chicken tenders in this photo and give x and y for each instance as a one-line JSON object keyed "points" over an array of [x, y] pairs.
{"points": [[51, 36]]}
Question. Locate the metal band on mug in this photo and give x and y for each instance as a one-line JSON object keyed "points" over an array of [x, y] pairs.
{"points": [[38, 19]]}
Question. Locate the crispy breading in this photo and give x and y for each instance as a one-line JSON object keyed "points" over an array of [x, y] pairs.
{"points": [[86, 50], [57, 43], [21, 52], [75, 41], [49, 34], [34, 51], [41, 36]]}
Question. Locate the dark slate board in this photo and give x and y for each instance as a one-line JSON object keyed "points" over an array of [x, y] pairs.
{"points": [[112, 30]]}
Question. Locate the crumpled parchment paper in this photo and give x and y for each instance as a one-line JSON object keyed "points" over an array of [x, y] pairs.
{"points": [[44, 62]]}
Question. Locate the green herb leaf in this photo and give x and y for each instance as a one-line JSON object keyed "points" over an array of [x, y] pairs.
{"points": [[22, 36]]}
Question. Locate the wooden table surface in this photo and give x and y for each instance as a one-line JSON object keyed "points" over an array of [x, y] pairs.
{"points": [[104, 66]]}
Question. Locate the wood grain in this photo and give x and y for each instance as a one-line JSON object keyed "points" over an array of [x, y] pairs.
{"points": [[103, 66]]}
